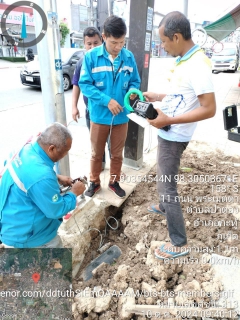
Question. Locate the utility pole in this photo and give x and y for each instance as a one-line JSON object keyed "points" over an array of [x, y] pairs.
{"points": [[91, 14], [185, 7], [140, 43], [51, 72], [109, 7]]}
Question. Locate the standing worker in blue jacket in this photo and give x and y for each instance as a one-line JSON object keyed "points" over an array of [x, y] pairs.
{"points": [[108, 72], [30, 200], [92, 38]]}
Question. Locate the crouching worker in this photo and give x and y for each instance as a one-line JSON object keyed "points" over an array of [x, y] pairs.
{"points": [[30, 200]]}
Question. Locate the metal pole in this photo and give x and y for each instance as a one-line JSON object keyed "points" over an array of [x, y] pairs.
{"points": [[185, 7], [91, 14], [109, 7], [51, 72], [140, 43]]}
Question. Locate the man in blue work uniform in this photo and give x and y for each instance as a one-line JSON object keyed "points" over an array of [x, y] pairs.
{"points": [[108, 72], [30, 200], [92, 38]]}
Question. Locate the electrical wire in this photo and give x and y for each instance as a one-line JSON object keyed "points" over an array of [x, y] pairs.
{"points": [[110, 217], [149, 141]]}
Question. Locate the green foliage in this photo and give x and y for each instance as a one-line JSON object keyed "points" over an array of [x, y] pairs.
{"points": [[64, 32], [14, 59]]}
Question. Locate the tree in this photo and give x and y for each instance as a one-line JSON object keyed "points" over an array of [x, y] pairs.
{"points": [[64, 32]]}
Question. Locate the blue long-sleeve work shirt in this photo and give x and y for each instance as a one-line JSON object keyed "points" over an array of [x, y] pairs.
{"points": [[100, 83], [30, 219]]}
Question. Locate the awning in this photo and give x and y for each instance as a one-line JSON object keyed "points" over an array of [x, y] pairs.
{"points": [[221, 28], [76, 35]]}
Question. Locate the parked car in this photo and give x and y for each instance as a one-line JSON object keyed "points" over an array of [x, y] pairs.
{"points": [[227, 59], [30, 73]]}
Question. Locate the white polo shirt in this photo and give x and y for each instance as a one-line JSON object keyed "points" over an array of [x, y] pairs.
{"points": [[191, 77]]}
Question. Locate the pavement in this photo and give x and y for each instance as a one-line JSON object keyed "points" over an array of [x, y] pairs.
{"points": [[209, 131], [4, 64]]}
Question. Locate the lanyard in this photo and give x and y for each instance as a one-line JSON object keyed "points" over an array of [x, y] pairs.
{"points": [[115, 73]]}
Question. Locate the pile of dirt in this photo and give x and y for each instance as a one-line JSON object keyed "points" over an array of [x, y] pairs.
{"points": [[209, 190]]}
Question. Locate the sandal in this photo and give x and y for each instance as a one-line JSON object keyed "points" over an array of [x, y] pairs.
{"points": [[173, 254], [154, 210]]}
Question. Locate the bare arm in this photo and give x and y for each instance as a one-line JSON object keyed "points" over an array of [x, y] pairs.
{"points": [[75, 97], [207, 109], [64, 180], [153, 97]]}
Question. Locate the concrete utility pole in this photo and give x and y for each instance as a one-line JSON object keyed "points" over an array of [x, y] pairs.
{"points": [[49, 55], [140, 43], [102, 13], [185, 7], [109, 7], [91, 13]]}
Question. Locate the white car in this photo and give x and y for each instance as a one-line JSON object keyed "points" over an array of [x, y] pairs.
{"points": [[226, 59], [30, 73]]}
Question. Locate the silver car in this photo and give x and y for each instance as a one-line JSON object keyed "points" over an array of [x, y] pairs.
{"points": [[30, 73]]}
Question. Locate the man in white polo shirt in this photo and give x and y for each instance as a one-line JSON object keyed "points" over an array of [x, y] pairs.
{"points": [[190, 100]]}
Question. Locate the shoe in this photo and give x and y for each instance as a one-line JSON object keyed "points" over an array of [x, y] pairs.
{"points": [[92, 189], [154, 210], [172, 253], [115, 187]]}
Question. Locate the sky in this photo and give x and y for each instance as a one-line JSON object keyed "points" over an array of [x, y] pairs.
{"points": [[198, 10]]}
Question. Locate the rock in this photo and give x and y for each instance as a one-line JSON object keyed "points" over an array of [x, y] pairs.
{"points": [[121, 285], [149, 301], [93, 316], [140, 246], [164, 222], [146, 287], [85, 302], [125, 301], [102, 303], [155, 265], [132, 254], [193, 285], [181, 295], [76, 315], [161, 285], [211, 287], [122, 273], [74, 307]]}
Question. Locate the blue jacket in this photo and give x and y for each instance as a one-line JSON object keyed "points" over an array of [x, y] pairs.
{"points": [[98, 85], [30, 219]]}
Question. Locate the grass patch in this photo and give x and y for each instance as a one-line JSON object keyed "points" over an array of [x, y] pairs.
{"points": [[14, 59]]}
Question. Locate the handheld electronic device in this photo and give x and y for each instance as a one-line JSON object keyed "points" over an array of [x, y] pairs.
{"points": [[142, 108]]}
